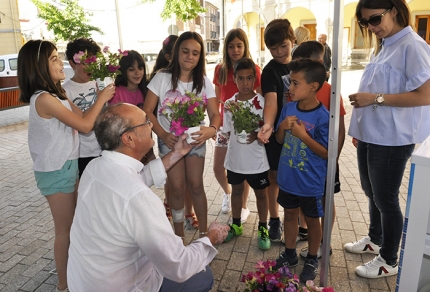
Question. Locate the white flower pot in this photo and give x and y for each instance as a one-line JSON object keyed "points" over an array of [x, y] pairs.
{"points": [[189, 132], [242, 137], [103, 83]]}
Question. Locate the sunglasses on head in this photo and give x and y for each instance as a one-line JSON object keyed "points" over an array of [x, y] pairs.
{"points": [[374, 20]]}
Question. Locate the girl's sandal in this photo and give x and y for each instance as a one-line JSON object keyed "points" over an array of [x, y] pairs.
{"points": [[168, 214], [191, 221]]}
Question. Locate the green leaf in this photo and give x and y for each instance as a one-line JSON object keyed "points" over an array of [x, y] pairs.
{"points": [[69, 23], [183, 9]]}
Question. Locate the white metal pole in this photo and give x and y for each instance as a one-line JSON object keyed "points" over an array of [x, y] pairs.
{"points": [[118, 21], [333, 136]]}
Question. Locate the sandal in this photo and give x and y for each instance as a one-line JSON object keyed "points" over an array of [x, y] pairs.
{"points": [[168, 213], [191, 222]]}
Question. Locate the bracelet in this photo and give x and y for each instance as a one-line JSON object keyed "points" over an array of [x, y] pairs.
{"points": [[203, 233], [216, 130]]}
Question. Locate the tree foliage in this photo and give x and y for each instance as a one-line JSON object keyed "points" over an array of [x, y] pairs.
{"points": [[183, 9], [69, 23]]}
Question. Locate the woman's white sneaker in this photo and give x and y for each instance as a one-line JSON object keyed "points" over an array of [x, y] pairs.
{"points": [[225, 207], [376, 268], [244, 215], [364, 245]]}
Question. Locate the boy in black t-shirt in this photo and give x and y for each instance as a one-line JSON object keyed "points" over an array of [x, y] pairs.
{"points": [[279, 38]]}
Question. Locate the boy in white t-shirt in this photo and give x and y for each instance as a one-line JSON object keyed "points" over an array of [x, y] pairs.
{"points": [[246, 161], [82, 91]]}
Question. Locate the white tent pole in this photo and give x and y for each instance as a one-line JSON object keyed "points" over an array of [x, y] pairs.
{"points": [[118, 22], [333, 136]]}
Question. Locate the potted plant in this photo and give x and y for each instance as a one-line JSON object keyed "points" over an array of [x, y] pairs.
{"points": [[185, 112], [267, 278], [103, 67], [246, 117]]}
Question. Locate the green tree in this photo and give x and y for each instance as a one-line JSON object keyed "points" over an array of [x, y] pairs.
{"points": [[183, 9], [68, 23]]}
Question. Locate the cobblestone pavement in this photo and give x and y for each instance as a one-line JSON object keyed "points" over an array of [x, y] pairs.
{"points": [[27, 231]]}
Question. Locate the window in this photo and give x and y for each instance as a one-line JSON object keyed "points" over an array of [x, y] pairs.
{"points": [[422, 23], [13, 64], [2, 66], [358, 42]]}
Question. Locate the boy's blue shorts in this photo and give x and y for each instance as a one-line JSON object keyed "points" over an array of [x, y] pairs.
{"points": [[311, 206], [58, 181]]}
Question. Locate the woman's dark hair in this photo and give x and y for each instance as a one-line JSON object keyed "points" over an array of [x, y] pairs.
{"points": [[127, 62], [198, 72], [403, 17], [167, 48], [33, 70], [81, 45], [226, 63]]}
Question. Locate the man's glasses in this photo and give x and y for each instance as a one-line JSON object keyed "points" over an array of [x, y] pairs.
{"points": [[374, 20], [148, 121]]}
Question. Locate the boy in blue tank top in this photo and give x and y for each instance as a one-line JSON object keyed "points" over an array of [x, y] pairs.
{"points": [[302, 130]]}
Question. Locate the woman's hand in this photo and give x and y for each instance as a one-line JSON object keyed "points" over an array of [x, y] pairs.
{"points": [[362, 99], [106, 93], [204, 134], [169, 139]]}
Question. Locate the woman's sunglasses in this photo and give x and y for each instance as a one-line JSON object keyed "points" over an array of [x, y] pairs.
{"points": [[374, 20]]}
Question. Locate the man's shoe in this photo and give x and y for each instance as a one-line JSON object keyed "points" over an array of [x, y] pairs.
{"points": [[376, 268], [364, 245], [310, 270], [283, 260], [305, 250], [225, 207], [244, 215], [275, 230], [263, 238], [234, 231]]}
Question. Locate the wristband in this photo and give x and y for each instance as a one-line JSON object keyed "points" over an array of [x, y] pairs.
{"points": [[216, 130]]}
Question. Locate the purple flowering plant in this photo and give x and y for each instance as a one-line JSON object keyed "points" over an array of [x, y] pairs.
{"points": [[267, 278], [103, 64], [183, 111]]}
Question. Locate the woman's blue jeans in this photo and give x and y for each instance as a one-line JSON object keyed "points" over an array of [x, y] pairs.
{"points": [[381, 170]]}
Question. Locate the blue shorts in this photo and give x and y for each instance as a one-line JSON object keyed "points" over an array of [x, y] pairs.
{"points": [[311, 206], [58, 181], [163, 149]]}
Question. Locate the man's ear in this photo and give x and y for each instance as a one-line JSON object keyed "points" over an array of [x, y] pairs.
{"points": [[127, 140]]}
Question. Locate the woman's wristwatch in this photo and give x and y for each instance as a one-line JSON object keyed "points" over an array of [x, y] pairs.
{"points": [[379, 100]]}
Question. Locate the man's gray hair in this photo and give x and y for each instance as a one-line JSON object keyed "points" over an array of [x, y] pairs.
{"points": [[109, 126]]}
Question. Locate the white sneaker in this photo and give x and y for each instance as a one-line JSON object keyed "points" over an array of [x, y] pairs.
{"points": [[225, 207], [244, 215], [376, 268], [363, 245]]}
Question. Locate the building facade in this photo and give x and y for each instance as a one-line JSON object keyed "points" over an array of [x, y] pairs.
{"points": [[317, 15], [10, 29]]}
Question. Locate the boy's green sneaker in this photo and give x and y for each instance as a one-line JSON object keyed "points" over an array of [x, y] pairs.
{"points": [[263, 238], [234, 231]]}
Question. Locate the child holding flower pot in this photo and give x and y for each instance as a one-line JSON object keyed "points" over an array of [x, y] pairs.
{"points": [[236, 47], [186, 72], [244, 112]]}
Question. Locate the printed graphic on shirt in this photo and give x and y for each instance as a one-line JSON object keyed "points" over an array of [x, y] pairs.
{"points": [[295, 150], [85, 100], [287, 81]]}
